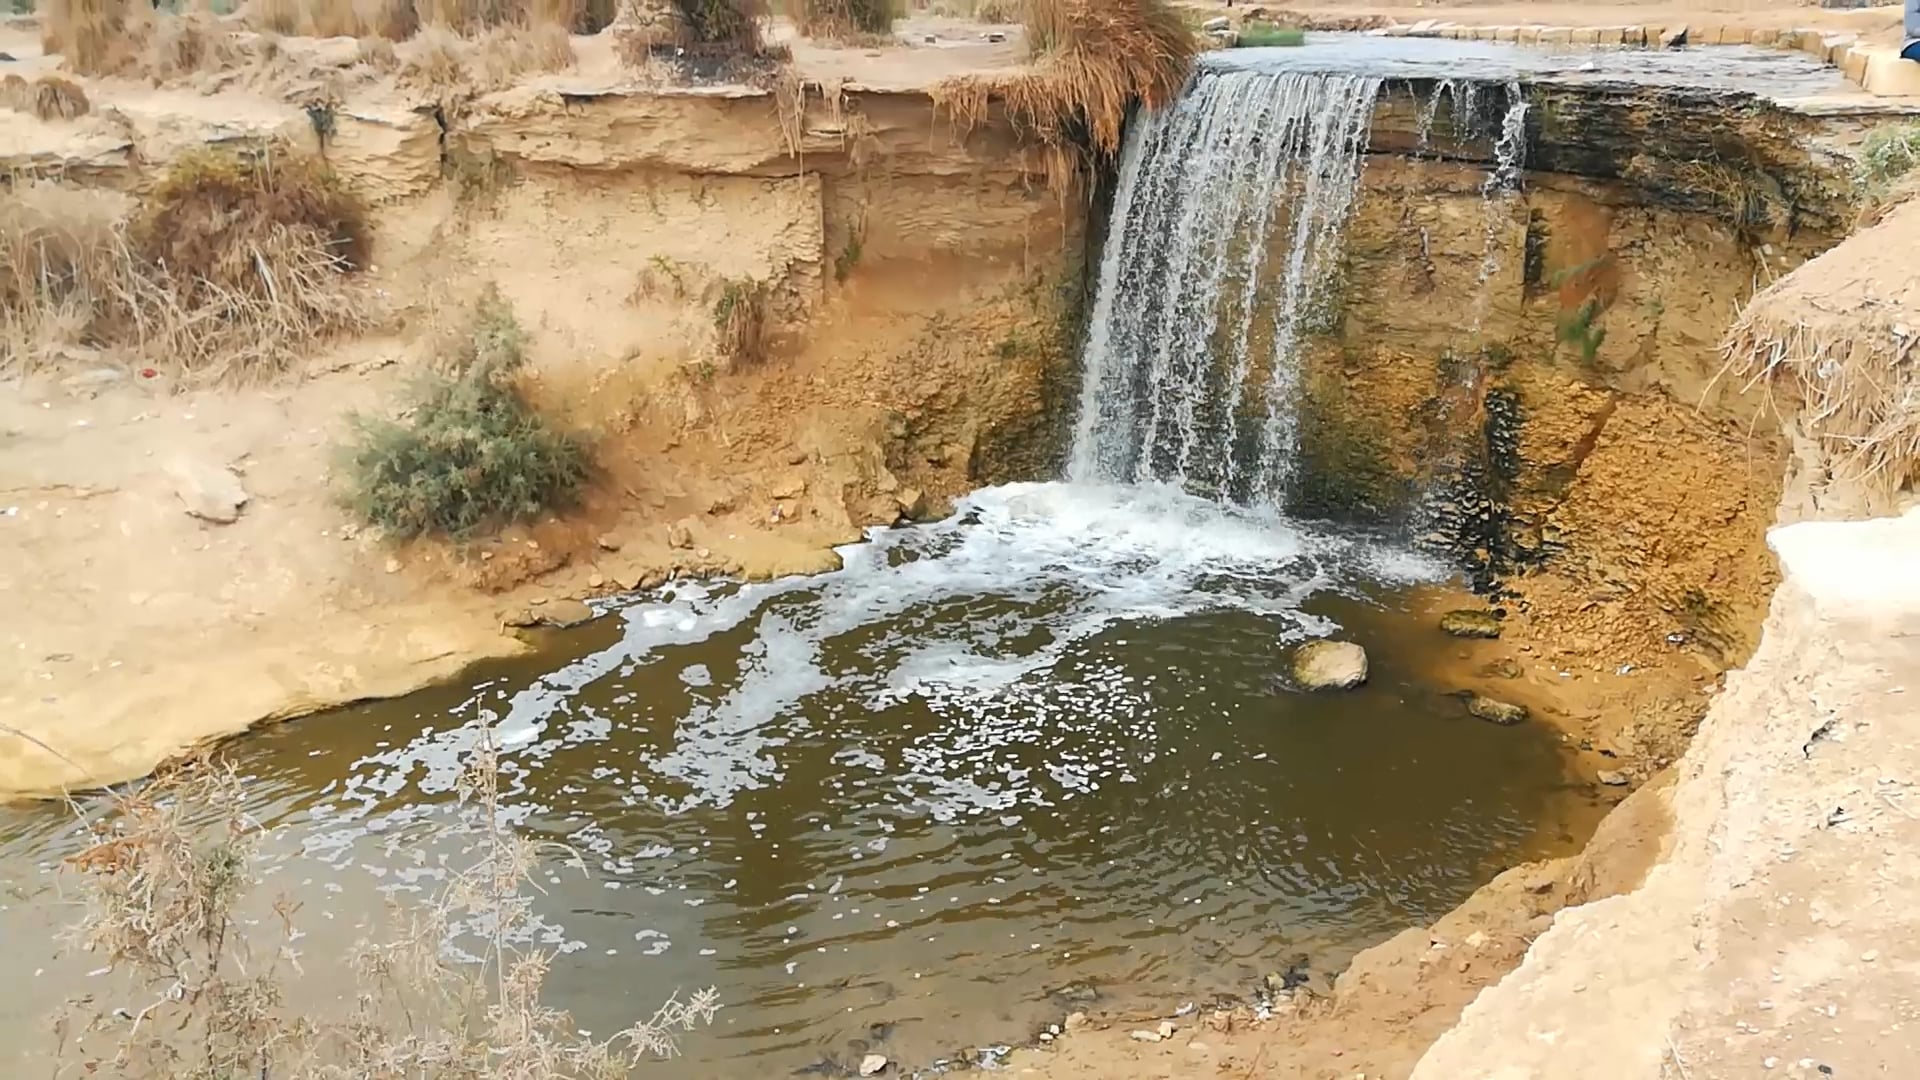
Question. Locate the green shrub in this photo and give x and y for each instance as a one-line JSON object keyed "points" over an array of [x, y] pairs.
{"points": [[1264, 36], [1576, 328], [471, 454], [1890, 152]]}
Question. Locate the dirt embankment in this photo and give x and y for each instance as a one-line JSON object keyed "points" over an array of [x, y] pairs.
{"points": [[917, 288]]}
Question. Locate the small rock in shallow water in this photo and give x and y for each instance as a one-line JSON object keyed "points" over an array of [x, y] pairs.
{"points": [[1076, 1021], [556, 613], [1469, 623], [1612, 778], [1498, 712], [1329, 665], [873, 1065]]}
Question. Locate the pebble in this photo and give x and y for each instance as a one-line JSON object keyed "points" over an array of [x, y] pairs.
{"points": [[1166, 1029], [1143, 1036], [1612, 777], [873, 1065]]}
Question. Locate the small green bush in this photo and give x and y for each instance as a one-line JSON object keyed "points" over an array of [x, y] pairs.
{"points": [[1266, 36], [471, 454], [1889, 153]]}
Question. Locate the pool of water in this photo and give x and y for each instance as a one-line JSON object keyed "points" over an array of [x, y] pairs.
{"points": [[1032, 758]]}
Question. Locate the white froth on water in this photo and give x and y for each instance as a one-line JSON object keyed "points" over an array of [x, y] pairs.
{"points": [[1057, 563]]}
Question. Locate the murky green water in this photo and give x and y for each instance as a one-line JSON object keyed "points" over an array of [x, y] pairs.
{"points": [[926, 803]]}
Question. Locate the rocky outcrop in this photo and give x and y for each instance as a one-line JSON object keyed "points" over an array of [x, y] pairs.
{"points": [[1758, 942]]}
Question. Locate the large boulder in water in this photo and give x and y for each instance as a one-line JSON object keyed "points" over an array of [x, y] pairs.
{"points": [[1329, 665]]}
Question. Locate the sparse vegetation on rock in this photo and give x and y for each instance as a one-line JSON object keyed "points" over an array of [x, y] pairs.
{"points": [[739, 322], [471, 453]]}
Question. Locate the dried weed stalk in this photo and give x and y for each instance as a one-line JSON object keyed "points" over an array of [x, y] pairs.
{"points": [[1093, 60], [169, 866], [161, 884]]}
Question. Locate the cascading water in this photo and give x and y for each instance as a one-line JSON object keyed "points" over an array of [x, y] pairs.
{"points": [[1186, 382], [1499, 188]]}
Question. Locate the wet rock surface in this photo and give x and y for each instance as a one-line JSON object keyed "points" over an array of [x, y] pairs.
{"points": [[1468, 623], [1495, 711]]}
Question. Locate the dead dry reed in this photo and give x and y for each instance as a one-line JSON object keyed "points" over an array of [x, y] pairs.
{"points": [[1093, 61], [197, 983]]}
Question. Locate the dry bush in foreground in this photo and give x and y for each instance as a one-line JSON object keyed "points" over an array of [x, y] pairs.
{"points": [[1093, 60], [471, 453], [172, 867], [231, 270]]}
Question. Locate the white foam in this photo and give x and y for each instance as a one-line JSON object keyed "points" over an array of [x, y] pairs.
{"points": [[1060, 563]]}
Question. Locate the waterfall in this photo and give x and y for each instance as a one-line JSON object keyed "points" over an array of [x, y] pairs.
{"points": [[1226, 228], [1496, 192]]}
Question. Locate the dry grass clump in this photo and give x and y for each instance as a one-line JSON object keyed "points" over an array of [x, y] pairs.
{"points": [[229, 224], [391, 20], [97, 37], [740, 322], [1093, 60], [67, 273], [1840, 338], [231, 268], [842, 19], [197, 987], [496, 57], [472, 454], [50, 97], [997, 12]]}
